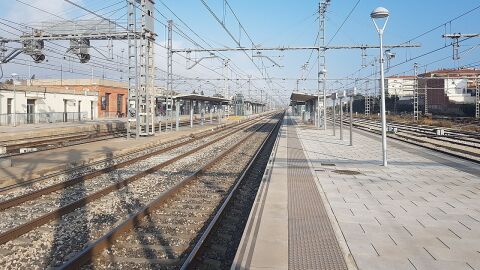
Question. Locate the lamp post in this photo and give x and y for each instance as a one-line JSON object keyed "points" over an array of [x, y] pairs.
{"points": [[381, 14]]}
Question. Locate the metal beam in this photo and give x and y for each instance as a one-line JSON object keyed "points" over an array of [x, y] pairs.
{"points": [[294, 48]]}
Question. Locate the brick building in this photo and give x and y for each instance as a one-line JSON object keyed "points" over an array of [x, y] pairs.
{"points": [[112, 95]]}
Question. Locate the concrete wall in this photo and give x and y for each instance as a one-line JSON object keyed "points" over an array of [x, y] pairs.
{"points": [[113, 92], [49, 102], [400, 86]]}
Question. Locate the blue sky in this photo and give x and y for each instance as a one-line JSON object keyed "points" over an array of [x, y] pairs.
{"points": [[273, 23]]}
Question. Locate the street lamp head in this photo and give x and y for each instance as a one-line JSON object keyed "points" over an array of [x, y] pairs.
{"points": [[379, 13]]}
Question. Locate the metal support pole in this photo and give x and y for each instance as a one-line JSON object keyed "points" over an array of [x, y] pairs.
{"points": [[415, 93], [477, 100], [211, 114], [322, 62], [334, 109], [202, 113], [384, 119], [191, 113], [341, 119], [219, 115], [351, 120], [169, 99], [177, 115], [425, 101], [14, 104], [132, 99]]}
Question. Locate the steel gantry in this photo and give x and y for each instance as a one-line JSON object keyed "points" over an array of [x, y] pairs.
{"points": [[169, 94], [80, 33], [322, 64], [415, 93], [367, 99], [477, 99], [321, 48]]}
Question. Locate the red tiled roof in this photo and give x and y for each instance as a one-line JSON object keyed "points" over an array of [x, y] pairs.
{"points": [[402, 77]]}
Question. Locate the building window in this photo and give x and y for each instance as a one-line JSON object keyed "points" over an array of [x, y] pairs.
{"points": [[105, 103], [119, 103]]}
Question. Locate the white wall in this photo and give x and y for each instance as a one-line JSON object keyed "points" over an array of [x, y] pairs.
{"points": [[400, 86], [49, 102], [456, 90]]}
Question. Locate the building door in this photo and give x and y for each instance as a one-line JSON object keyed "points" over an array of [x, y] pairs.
{"points": [[65, 116], [91, 110], [119, 105], [79, 111], [9, 110], [30, 111], [107, 104]]}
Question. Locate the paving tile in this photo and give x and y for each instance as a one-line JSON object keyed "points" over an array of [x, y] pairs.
{"points": [[416, 204]]}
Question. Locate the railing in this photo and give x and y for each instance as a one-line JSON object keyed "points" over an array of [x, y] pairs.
{"points": [[114, 114], [36, 118]]}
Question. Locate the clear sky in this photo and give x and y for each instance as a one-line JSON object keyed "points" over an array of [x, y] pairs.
{"points": [[269, 23]]}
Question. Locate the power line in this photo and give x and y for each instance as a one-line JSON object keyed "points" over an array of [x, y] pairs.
{"points": [[344, 21]]}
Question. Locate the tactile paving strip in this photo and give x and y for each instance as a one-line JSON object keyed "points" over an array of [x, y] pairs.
{"points": [[311, 240]]}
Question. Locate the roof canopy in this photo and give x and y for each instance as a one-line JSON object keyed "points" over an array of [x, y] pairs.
{"points": [[255, 102], [201, 98], [301, 97]]}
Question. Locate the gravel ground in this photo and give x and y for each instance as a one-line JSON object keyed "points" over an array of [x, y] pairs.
{"points": [[80, 172], [179, 221], [34, 186], [55, 242], [29, 210]]}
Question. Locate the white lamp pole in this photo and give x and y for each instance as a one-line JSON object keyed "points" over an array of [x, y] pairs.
{"points": [[381, 14]]}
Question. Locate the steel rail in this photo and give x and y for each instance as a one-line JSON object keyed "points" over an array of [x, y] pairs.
{"points": [[57, 213], [38, 193], [219, 213], [430, 134], [451, 151], [107, 240], [69, 139]]}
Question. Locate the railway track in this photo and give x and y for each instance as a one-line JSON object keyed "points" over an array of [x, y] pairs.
{"points": [[55, 225], [220, 242], [461, 144], [14, 147]]}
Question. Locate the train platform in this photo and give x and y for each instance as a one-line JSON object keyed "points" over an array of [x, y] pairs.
{"points": [[43, 163], [28, 131], [324, 204]]}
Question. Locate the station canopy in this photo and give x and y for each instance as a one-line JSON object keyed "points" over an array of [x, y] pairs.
{"points": [[201, 98], [253, 102], [298, 97]]}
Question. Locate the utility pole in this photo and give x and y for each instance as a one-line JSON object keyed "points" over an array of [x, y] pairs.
{"points": [[367, 99], [477, 99], [425, 101], [352, 96], [415, 93], [168, 96], [225, 86], [132, 99], [321, 60]]}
